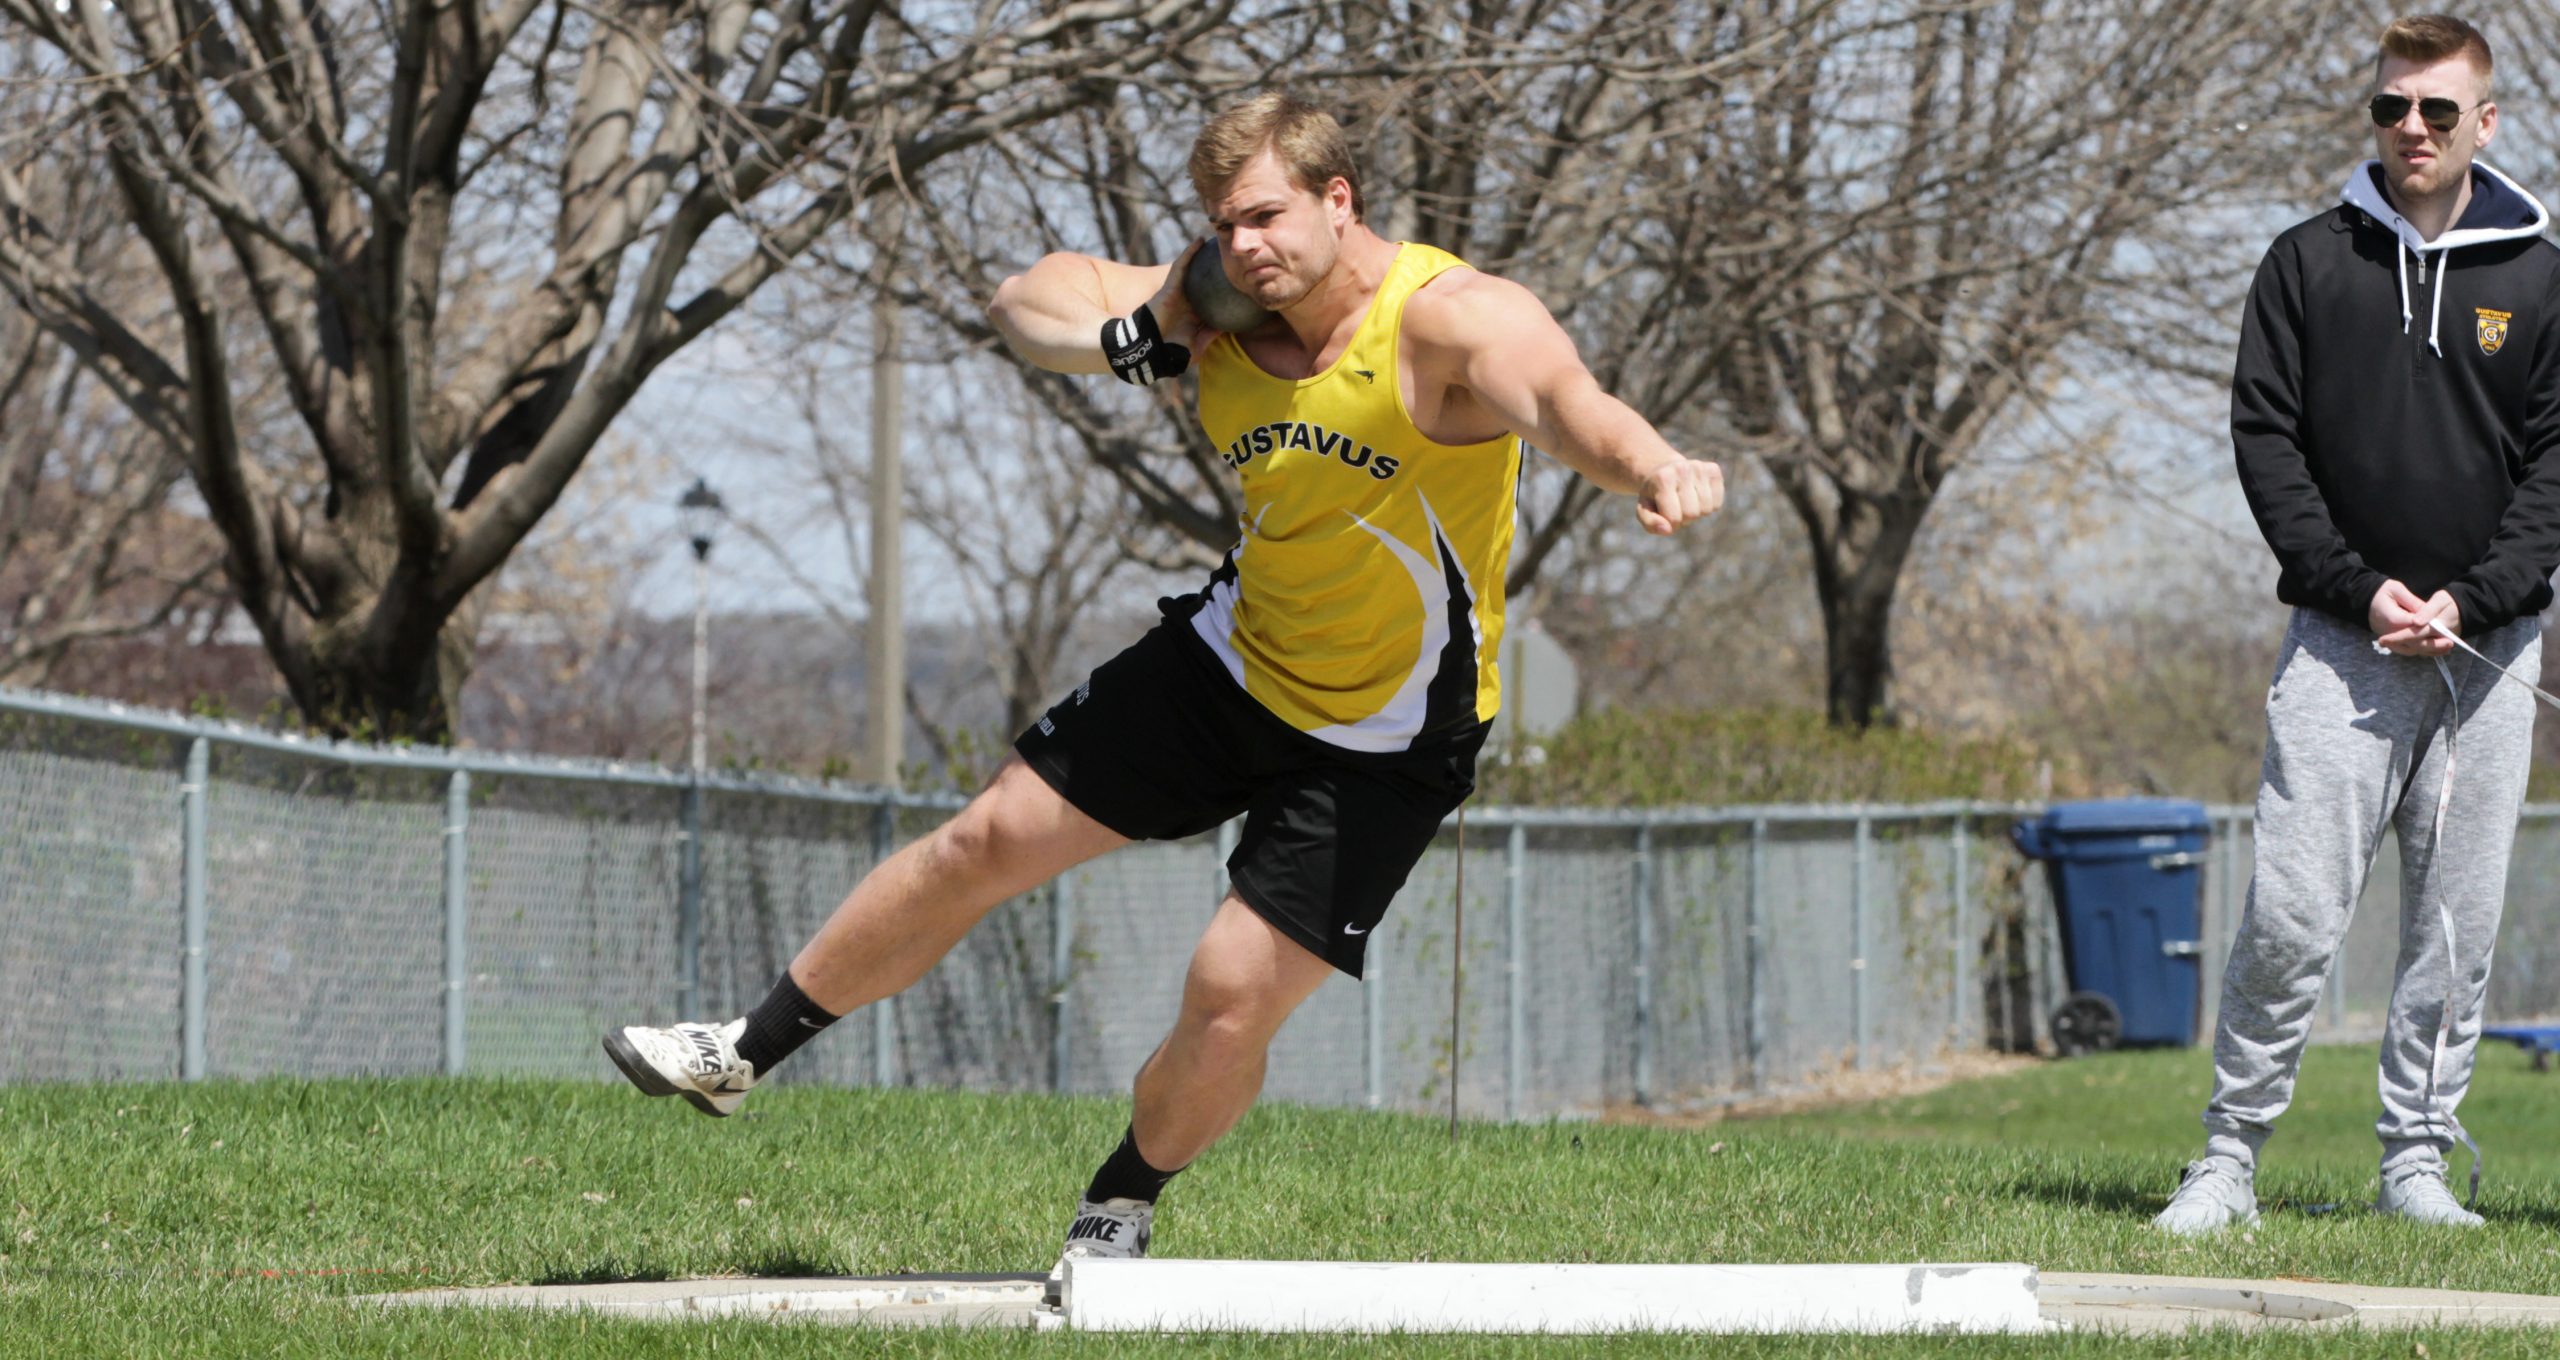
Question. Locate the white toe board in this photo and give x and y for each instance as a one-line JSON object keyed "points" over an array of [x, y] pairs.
{"points": [[1438, 1296]]}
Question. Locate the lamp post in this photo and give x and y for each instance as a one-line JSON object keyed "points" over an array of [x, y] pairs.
{"points": [[700, 507], [702, 513], [886, 638]]}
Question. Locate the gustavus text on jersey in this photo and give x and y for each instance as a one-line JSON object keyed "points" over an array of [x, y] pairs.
{"points": [[1316, 439]]}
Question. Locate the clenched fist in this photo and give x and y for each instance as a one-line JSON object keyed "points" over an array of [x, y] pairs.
{"points": [[1678, 492]]}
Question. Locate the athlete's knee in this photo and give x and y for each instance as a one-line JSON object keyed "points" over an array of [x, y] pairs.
{"points": [[1013, 828], [1231, 1015], [957, 845], [1232, 1036], [982, 838]]}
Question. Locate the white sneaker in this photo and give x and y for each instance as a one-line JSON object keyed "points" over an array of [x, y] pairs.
{"points": [[2213, 1194], [2419, 1194], [698, 1062], [1117, 1229]]}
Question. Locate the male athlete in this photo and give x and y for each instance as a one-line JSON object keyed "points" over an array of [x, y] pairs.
{"points": [[1333, 681]]}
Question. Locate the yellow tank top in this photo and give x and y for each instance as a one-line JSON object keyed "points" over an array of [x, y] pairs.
{"points": [[1362, 603]]}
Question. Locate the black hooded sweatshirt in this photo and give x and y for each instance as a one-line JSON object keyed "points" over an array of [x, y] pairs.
{"points": [[2396, 405]]}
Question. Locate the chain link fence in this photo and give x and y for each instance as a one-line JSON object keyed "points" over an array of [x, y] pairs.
{"points": [[187, 900]]}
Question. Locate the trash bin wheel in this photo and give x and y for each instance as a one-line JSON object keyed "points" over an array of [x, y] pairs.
{"points": [[2086, 1022]]}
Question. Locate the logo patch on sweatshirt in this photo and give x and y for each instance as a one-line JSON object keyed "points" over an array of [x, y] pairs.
{"points": [[2493, 329]]}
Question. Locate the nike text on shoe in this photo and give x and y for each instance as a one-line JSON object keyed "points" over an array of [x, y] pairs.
{"points": [[2419, 1194], [698, 1062], [2213, 1194], [1116, 1228]]}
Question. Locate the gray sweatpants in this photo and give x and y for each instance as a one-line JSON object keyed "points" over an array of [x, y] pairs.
{"points": [[2357, 742]]}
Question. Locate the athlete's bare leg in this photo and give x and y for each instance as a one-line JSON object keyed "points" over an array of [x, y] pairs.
{"points": [[1245, 979], [910, 910]]}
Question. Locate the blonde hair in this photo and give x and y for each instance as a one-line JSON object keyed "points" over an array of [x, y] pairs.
{"points": [[1307, 141], [2426, 39]]}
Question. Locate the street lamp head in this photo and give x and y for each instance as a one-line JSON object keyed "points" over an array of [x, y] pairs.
{"points": [[702, 514]]}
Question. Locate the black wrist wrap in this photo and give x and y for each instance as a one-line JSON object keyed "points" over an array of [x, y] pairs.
{"points": [[1138, 352]]}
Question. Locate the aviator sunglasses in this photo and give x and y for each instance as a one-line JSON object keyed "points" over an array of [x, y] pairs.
{"points": [[2438, 113]]}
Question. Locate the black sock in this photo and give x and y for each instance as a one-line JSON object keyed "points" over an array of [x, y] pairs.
{"points": [[1127, 1176], [780, 1023]]}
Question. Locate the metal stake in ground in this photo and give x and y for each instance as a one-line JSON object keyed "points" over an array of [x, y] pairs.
{"points": [[1457, 969]]}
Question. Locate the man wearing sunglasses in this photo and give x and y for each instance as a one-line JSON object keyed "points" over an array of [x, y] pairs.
{"points": [[2396, 415]]}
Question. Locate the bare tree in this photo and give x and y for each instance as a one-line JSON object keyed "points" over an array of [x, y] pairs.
{"points": [[1505, 133], [94, 552], [1970, 192], [92, 549], [467, 236], [1847, 238], [1502, 132], [1011, 528], [569, 659]]}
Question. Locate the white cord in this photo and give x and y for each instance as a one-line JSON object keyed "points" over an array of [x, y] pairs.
{"points": [[2456, 639], [2444, 915], [2444, 910]]}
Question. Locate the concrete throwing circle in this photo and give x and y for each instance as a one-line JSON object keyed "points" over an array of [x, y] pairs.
{"points": [[2072, 1301], [2169, 1303]]}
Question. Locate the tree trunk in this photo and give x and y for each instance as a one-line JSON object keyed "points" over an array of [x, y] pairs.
{"points": [[1857, 651], [1860, 546], [349, 688]]}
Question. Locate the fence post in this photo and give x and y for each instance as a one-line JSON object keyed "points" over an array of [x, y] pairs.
{"points": [[1373, 1018], [884, 1012], [457, 914], [1228, 831], [1755, 937], [2040, 999], [1373, 1013], [1858, 941], [689, 907], [1515, 872], [2007, 962], [2337, 989], [191, 894], [2217, 934], [1062, 958], [1644, 964], [1960, 849]]}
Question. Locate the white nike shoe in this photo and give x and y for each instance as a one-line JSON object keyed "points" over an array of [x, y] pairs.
{"points": [[2420, 1195], [698, 1062], [1116, 1229], [2213, 1194]]}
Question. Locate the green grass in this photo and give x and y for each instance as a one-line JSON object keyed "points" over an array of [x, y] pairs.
{"points": [[145, 1220]]}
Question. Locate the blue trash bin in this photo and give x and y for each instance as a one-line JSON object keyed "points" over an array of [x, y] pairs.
{"points": [[2128, 881]]}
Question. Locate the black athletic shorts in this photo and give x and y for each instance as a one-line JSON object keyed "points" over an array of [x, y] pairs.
{"points": [[1160, 743]]}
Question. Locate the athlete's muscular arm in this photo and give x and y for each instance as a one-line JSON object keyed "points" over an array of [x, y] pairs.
{"points": [[1500, 344], [1052, 313]]}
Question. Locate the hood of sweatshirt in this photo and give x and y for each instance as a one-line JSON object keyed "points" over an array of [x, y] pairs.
{"points": [[2499, 210]]}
